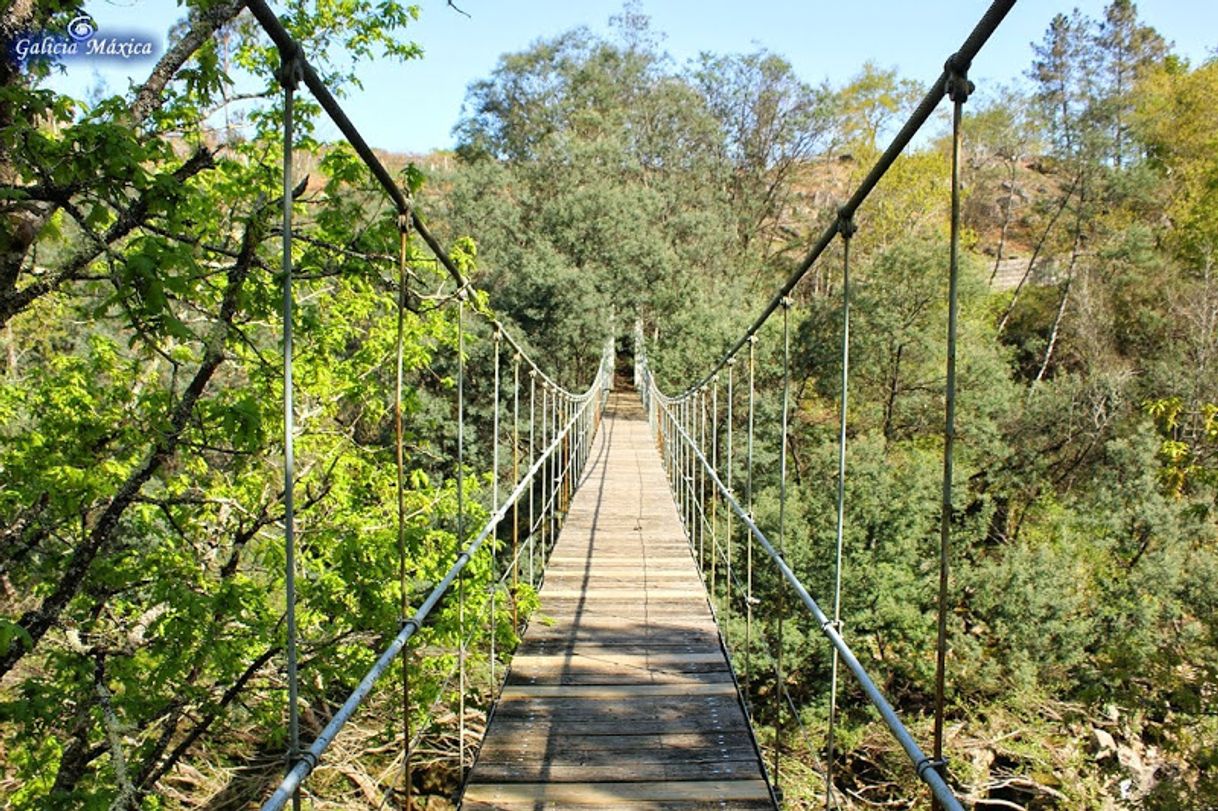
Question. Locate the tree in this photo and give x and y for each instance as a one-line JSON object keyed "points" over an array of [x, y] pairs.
{"points": [[871, 101], [1128, 49], [141, 607], [773, 125], [595, 177]]}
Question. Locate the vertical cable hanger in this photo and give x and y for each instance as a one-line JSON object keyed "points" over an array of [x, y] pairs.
{"points": [[782, 532], [289, 77], [748, 596], [714, 456], [958, 90], [516, 481], [497, 339], [532, 461], [400, 457], [701, 471], [461, 526], [731, 366], [847, 229]]}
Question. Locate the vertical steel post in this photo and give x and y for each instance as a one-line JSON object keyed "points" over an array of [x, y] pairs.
{"points": [[544, 517], [461, 526], [731, 367], [494, 540], [847, 228], [782, 530], [748, 485], [515, 483], [532, 461], [958, 89], [714, 502], [289, 77], [399, 443], [554, 477], [701, 473]]}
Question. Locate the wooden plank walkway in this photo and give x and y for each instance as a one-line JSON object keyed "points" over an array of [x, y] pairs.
{"points": [[620, 695]]}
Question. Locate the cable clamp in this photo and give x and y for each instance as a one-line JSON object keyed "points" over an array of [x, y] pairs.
{"points": [[928, 763], [845, 223], [291, 66], [305, 757], [959, 88], [787, 302]]}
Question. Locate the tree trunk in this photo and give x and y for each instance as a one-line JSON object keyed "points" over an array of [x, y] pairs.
{"points": [[1040, 244], [1006, 224]]}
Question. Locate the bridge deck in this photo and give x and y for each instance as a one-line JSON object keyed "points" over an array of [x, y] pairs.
{"points": [[620, 695]]}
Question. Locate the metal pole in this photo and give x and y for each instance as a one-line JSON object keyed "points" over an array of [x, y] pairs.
{"points": [[289, 76], [748, 596], [731, 367], [404, 600], [494, 500], [959, 88], [461, 528], [847, 229], [544, 518], [515, 481], [782, 538], [702, 480], [532, 460], [714, 512], [554, 478]]}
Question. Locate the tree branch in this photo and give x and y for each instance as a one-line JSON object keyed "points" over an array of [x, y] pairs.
{"points": [[38, 621]]}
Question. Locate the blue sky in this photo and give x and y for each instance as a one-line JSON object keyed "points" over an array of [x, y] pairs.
{"points": [[822, 40]]}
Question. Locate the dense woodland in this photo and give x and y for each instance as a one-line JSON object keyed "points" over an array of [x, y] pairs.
{"points": [[598, 184]]}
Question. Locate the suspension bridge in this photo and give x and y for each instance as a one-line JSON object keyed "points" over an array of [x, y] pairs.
{"points": [[625, 510]]}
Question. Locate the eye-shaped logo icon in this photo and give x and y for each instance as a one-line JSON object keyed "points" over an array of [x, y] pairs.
{"points": [[82, 28]]}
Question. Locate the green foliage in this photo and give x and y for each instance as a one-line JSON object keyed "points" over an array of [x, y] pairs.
{"points": [[599, 186], [141, 420]]}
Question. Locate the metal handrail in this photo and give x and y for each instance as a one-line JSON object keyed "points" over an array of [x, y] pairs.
{"points": [[923, 765], [310, 758]]}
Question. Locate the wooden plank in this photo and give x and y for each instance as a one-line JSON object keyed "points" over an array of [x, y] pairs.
{"points": [[615, 691], [610, 794], [530, 769], [675, 722], [589, 678], [642, 671], [619, 695], [612, 748], [638, 805], [658, 706], [649, 593], [619, 658], [554, 647]]}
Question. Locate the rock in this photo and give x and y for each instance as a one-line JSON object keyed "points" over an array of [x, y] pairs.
{"points": [[1105, 744]]}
